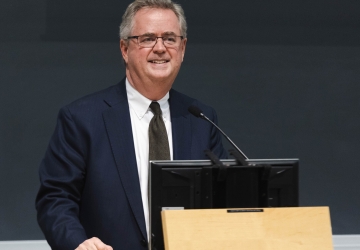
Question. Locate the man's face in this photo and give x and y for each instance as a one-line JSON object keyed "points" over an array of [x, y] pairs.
{"points": [[153, 70]]}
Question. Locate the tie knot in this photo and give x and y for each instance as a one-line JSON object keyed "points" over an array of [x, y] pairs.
{"points": [[155, 107]]}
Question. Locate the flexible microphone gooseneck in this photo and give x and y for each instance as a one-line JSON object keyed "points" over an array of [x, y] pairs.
{"points": [[198, 113]]}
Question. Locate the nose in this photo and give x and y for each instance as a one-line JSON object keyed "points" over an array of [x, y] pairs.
{"points": [[159, 46]]}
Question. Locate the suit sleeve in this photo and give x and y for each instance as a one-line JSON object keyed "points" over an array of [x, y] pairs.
{"points": [[62, 174]]}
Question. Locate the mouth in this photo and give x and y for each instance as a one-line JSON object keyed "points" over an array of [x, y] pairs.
{"points": [[159, 61]]}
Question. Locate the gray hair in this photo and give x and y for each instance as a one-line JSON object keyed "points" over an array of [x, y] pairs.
{"points": [[128, 17]]}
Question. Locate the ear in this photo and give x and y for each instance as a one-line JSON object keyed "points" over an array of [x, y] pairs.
{"points": [[183, 48], [124, 50]]}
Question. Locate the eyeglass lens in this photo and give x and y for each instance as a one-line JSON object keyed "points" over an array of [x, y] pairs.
{"points": [[168, 40]]}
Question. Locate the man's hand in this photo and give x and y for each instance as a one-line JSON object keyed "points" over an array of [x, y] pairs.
{"points": [[93, 244]]}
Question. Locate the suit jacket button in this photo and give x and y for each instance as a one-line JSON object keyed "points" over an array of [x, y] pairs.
{"points": [[143, 243]]}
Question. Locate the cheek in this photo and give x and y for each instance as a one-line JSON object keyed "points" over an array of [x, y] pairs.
{"points": [[177, 55], [136, 60], [140, 58], [179, 58]]}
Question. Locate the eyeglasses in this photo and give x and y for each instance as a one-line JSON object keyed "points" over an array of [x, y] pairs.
{"points": [[149, 41]]}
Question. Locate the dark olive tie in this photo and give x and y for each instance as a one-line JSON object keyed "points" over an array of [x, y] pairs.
{"points": [[158, 139]]}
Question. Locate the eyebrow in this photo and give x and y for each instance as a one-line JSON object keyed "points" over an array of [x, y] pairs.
{"points": [[153, 34]]}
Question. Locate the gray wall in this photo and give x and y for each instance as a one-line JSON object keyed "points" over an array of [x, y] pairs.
{"points": [[283, 76]]}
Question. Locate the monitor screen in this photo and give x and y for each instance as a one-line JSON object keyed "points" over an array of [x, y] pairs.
{"points": [[200, 184]]}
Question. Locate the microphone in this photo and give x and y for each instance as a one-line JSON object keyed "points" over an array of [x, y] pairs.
{"points": [[198, 113]]}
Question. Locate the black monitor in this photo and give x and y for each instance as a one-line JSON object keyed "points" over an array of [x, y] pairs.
{"points": [[201, 184]]}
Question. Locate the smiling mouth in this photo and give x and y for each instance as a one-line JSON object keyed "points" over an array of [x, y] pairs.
{"points": [[159, 61]]}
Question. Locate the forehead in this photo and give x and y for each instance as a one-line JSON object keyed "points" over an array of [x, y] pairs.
{"points": [[157, 21]]}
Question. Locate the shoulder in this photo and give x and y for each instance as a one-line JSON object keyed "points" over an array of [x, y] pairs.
{"points": [[187, 101], [99, 100], [89, 108], [109, 94]]}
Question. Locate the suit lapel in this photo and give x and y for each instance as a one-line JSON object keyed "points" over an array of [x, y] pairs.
{"points": [[181, 127], [118, 125]]}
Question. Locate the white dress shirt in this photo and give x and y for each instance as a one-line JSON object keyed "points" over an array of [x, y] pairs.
{"points": [[141, 115]]}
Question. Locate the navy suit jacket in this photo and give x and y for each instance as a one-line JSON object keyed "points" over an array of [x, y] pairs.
{"points": [[89, 178]]}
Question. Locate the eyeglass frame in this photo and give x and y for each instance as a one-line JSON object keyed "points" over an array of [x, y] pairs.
{"points": [[157, 37]]}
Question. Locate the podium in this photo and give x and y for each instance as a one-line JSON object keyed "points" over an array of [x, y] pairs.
{"points": [[297, 228], [196, 184]]}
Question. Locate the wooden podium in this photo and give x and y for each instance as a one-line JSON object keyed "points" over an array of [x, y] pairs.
{"points": [[250, 229]]}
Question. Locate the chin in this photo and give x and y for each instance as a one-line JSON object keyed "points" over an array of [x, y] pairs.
{"points": [[161, 75]]}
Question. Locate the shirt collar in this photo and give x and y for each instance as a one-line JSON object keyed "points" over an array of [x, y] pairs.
{"points": [[140, 104]]}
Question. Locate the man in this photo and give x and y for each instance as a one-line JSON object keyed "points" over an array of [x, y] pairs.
{"points": [[93, 192]]}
